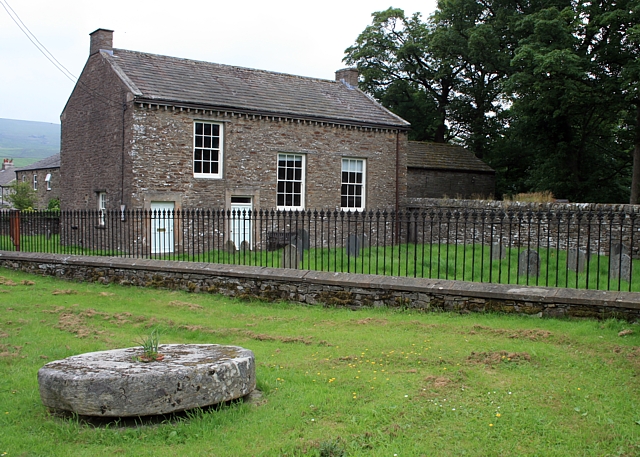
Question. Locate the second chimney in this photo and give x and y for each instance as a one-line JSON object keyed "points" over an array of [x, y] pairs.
{"points": [[348, 76], [101, 39]]}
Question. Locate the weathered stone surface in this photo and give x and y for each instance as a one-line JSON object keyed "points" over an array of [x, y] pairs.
{"points": [[576, 260], [112, 384], [529, 263]]}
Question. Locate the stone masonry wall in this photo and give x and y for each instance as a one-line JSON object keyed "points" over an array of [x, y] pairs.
{"points": [[423, 183], [43, 194], [162, 150], [94, 157], [331, 289]]}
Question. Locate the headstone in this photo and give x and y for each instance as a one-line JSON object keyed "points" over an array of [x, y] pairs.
{"points": [[528, 263], [576, 260], [245, 246], [301, 239], [620, 267], [498, 251], [230, 246], [353, 246], [617, 249], [364, 241], [290, 256]]}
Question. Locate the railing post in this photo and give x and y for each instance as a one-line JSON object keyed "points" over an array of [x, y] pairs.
{"points": [[14, 228]]}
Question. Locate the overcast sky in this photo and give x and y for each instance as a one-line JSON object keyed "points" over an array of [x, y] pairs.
{"points": [[292, 36]]}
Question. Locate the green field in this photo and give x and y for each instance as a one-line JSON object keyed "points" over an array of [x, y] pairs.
{"points": [[334, 382]]}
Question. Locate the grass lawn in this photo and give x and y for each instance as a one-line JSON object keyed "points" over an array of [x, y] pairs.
{"points": [[374, 382]]}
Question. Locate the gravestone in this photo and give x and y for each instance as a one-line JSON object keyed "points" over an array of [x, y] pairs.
{"points": [[230, 247], [528, 263], [620, 267], [617, 249], [245, 246], [301, 239], [291, 256], [498, 251], [353, 246], [576, 260]]}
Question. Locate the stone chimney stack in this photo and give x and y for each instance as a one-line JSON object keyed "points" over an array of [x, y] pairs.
{"points": [[101, 39], [7, 164], [348, 76]]}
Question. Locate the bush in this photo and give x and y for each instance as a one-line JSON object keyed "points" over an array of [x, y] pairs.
{"points": [[54, 204], [22, 196]]}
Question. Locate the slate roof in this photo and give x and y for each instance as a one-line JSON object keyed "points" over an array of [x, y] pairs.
{"points": [[440, 156], [6, 176], [49, 162], [158, 79]]}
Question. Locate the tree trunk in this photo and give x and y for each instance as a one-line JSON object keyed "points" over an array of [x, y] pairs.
{"points": [[635, 179]]}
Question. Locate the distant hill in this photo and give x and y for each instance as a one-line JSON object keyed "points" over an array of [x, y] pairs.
{"points": [[27, 141]]}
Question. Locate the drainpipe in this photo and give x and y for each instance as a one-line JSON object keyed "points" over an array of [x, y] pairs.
{"points": [[397, 184], [124, 109]]}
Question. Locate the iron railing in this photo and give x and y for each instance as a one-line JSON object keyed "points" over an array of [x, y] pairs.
{"points": [[577, 249]]}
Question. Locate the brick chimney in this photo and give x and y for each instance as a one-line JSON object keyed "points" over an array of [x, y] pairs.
{"points": [[101, 39], [7, 164], [348, 76]]}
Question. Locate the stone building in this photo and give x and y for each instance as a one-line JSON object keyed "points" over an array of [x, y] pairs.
{"points": [[44, 176], [436, 170], [143, 131], [7, 178]]}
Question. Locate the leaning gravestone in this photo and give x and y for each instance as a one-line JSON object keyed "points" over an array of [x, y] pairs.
{"points": [[114, 384], [576, 260], [245, 246], [291, 256], [353, 246], [620, 267], [498, 251], [528, 263]]}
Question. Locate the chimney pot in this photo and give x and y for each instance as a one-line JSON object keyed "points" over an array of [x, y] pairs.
{"points": [[348, 76], [101, 39]]}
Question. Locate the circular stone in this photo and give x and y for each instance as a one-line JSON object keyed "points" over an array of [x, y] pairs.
{"points": [[113, 384]]}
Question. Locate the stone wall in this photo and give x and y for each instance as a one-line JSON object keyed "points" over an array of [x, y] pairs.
{"points": [[591, 227], [424, 183], [331, 289], [162, 150]]}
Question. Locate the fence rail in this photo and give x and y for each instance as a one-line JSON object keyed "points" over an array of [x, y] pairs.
{"points": [[577, 249]]}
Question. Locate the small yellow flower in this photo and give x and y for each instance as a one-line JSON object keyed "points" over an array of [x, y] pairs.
{"points": [[497, 414], [490, 425]]}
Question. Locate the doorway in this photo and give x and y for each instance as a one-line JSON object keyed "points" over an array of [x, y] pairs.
{"points": [[240, 223], [162, 227]]}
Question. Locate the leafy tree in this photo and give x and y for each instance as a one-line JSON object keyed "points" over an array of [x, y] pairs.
{"points": [[22, 196]]}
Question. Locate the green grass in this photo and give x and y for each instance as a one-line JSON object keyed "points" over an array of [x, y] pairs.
{"points": [[437, 261], [374, 382]]}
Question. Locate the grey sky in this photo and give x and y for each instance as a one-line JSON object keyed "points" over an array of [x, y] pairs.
{"points": [[291, 36]]}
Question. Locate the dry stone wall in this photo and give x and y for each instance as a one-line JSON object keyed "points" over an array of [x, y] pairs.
{"points": [[331, 289]]}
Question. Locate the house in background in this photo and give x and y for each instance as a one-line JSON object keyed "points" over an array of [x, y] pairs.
{"points": [[7, 178], [154, 132], [436, 170], [44, 177]]}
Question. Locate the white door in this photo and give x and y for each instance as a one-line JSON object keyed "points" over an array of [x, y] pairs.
{"points": [[240, 224], [161, 227]]}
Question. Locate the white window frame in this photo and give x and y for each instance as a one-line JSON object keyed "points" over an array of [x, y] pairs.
{"points": [[102, 206], [35, 182], [203, 147], [348, 184], [47, 179], [287, 180]]}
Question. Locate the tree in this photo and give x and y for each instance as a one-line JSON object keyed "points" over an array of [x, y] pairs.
{"points": [[22, 196]]}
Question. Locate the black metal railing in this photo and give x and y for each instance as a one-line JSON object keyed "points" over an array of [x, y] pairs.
{"points": [[563, 248]]}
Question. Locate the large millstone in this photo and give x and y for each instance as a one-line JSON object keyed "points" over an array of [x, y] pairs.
{"points": [[112, 384]]}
